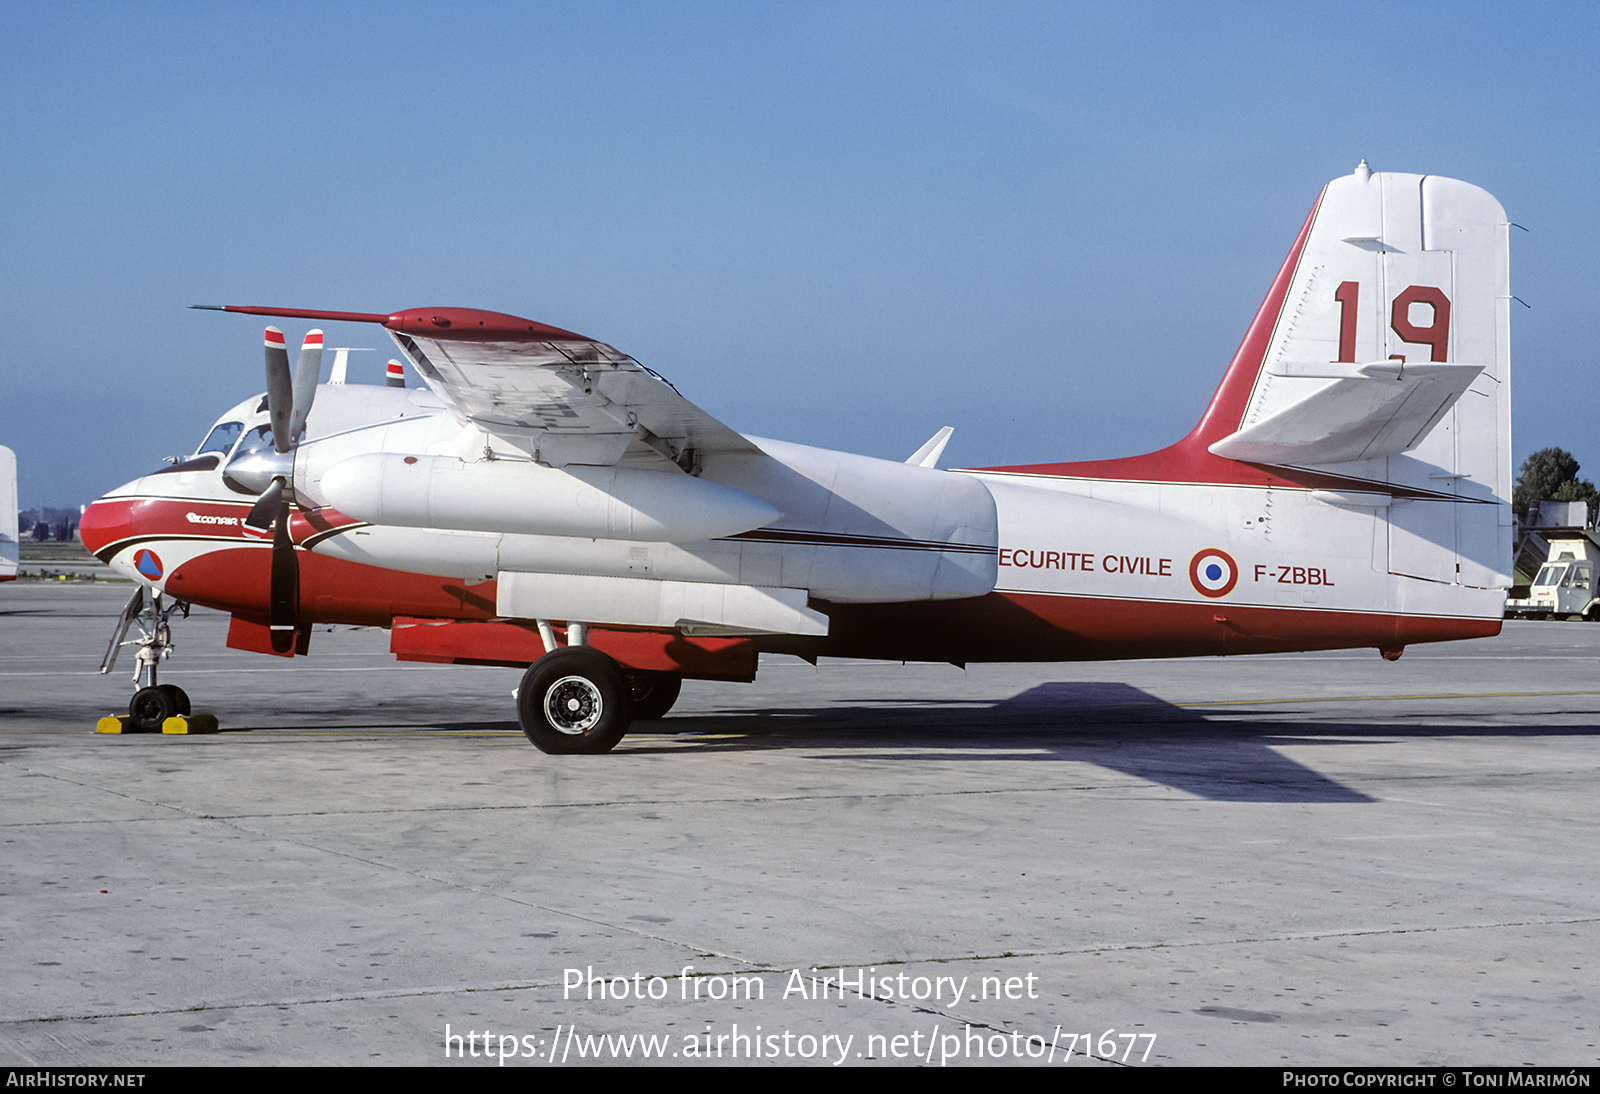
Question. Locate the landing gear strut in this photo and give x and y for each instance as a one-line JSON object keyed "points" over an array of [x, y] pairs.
{"points": [[153, 702]]}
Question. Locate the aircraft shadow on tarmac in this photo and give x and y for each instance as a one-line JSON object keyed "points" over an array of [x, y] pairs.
{"points": [[1112, 725], [1225, 753]]}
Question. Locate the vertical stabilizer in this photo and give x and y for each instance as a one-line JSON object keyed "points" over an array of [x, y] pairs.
{"points": [[1389, 362], [9, 556]]}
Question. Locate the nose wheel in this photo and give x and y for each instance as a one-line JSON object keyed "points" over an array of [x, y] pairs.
{"points": [[574, 700], [154, 705]]}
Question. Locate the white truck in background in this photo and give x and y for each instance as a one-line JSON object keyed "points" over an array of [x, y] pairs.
{"points": [[1563, 586]]}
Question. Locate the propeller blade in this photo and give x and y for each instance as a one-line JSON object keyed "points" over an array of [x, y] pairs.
{"points": [[306, 373], [265, 510], [285, 597], [280, 389]]}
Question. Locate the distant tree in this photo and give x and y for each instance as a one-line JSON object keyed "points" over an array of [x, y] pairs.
{"points": [[1578, 490], [1550, 473]]}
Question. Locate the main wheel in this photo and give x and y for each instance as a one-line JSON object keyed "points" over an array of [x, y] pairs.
{"points": [[152, 706], [574, 700], [653, 694]]}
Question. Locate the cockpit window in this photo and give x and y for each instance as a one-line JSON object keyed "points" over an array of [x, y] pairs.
{"points": [[257, 440], [221, 438]]}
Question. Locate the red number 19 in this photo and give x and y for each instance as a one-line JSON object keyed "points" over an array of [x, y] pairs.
{"points": [[1436, 335]]}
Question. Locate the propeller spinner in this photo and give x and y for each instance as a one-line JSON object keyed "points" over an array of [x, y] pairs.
{"points": [[271, 474]]}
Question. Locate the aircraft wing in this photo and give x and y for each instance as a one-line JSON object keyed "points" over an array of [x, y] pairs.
{"points": [[555, 395], [568, 401]]}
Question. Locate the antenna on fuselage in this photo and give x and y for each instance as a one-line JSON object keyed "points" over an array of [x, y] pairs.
{"points": [[341, 357]]}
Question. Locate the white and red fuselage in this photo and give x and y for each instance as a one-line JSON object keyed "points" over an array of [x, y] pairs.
{"points": [[1290, 518]]}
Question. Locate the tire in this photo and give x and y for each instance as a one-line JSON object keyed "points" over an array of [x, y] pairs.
{"points": [[653, 694], [574, 700], [152, 706], [180, 698]]}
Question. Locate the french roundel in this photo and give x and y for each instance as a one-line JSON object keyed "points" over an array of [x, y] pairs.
{"points": [[1213, 573]]}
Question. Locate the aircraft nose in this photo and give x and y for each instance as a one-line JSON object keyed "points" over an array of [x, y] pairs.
{"points": [[104, 523]]}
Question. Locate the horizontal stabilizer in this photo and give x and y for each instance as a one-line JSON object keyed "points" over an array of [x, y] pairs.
{"points": [[1362, 412]]}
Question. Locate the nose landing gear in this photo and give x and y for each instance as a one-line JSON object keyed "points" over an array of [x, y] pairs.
{"points": [[153, 702]]}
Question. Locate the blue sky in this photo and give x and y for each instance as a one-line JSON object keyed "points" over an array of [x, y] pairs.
{"points": [[845, 224]]}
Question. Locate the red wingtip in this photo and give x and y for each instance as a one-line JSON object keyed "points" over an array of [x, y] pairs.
{"points": [[442, 324], [473, 325]]}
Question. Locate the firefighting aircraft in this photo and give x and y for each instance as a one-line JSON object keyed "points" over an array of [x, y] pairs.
{"points": [[547, 502]]}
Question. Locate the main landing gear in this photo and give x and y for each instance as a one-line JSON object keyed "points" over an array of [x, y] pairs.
{"points": [[653, 694], [153, 702], [576, 700]]}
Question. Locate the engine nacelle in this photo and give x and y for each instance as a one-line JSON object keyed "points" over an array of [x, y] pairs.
{"points": [[529, 498]]}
